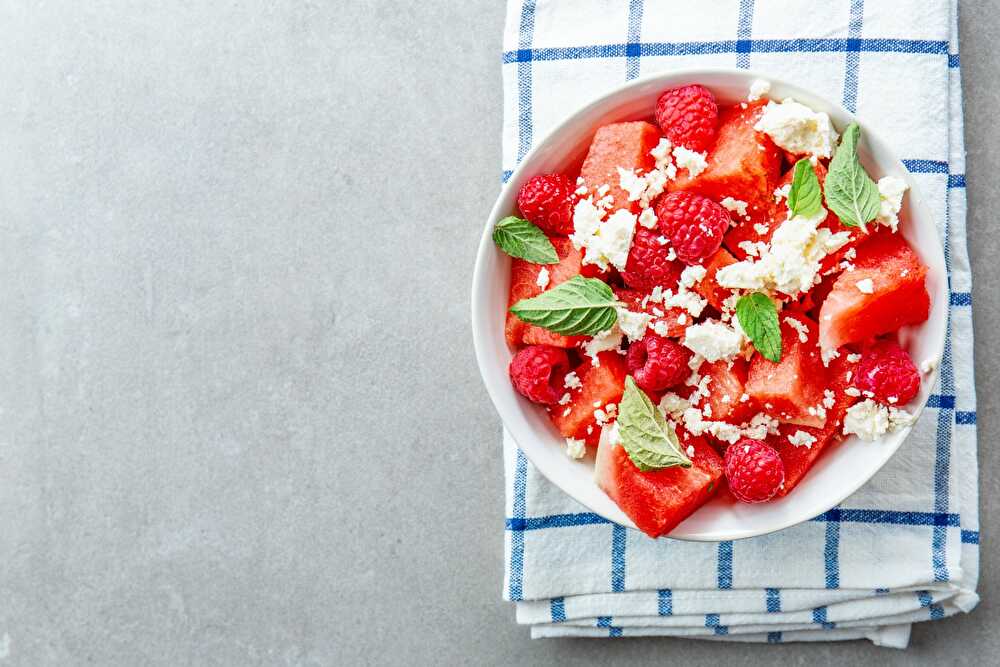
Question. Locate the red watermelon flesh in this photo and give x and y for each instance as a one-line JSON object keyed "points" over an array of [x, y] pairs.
{"points": [[624, 145], [787, 389], [633, 301], [601, 384], [708, 287], [660, 499], [899, 295], [524, 285], [799, 459], [724, 391], [744, 164]]}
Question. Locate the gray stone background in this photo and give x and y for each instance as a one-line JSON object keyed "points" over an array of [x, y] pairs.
{"points": [[240, 420]]}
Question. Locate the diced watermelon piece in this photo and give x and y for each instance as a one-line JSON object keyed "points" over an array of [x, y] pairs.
{"points": [[600, 384], [899, 295], [725, 390], [744, 164], [799, 459], [788, 389], [708, 287], [669, 316], [524, 285], [758, 229], [660, 499], [624, 145]]}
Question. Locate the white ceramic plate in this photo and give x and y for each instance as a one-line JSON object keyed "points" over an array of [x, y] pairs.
{"points": [[838, 472]]}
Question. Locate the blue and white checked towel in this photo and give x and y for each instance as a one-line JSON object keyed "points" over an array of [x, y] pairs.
{"points": [[902, 549]]}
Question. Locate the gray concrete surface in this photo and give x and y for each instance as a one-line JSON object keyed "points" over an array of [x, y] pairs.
{"points": [[240, 421]]}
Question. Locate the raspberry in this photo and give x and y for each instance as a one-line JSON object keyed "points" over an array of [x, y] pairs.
{"points": [[538, 371], [688, 116], [548, 202], [694, 224], [754, 470], [887, 371], [658, 363], [648, 263]]}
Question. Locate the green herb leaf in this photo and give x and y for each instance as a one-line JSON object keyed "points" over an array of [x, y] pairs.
{"points": [[519, 238], [759, 319], [850, 191], [648, 439], [805, 197], [578, 307]]}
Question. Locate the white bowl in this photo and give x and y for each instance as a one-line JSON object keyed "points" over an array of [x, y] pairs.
{"points": [[838, 472]]}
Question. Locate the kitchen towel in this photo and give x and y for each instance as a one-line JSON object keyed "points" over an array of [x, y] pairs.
{"points": [[902, 549]]}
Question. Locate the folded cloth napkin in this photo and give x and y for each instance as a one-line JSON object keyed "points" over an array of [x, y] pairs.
{"points": [[902, 549]]}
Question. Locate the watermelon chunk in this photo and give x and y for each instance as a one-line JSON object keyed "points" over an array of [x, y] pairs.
{"points": [[725, 390], [675, 327], [788, 389], [744, 164], [624, 145], [524, 285], [708, 287], [799, 459], [600, 384], [899, 295], [660, 499]]}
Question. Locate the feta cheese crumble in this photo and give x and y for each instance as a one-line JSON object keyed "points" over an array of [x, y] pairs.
{"points": [[758, 89], [782, 193], [543, 278], [688, 159], [572, 381], [802, 439], [647, 218], [870, 420], [714, 340], [798, 129], [633, 325], [865, 286], [575, 449], [605, 241], [737, 206], [791, 263], [799, 327], [603, 342], [890, 191]]}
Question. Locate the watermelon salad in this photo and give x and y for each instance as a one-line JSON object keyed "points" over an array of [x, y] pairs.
{"points": [[713, 301]]}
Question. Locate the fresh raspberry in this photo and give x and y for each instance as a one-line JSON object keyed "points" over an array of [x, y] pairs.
{"points": [[754, 470], [887, 371], [648, 263], [658, 363], [538, 372], [694, 224], [548, 201], [689, 117]]}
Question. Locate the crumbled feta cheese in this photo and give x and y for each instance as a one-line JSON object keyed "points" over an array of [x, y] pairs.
{"points": [[633, 325], [865, 286], [602, 342], [870, 420], [688, 159], [661, 153], [852, 391], [707, 410], [737, 206], [854, 358], [893, 399], [799, 327], [673, 405], [647, 218], [782, 193], [572, 381], [802, 439], [575, 449], [749, 247], [744, 397], [606, 241], [662, 240], [690, 451], [567, 411], [682, 319], [792, 262], [829, 398], [713, 340], [565, 399], [543, 278], [692, 275], [581, 189], [890, 190], [761, 228], [603, 190], [758, 89], [928, 365], [829, 355], [631, 183], [798, 129]]}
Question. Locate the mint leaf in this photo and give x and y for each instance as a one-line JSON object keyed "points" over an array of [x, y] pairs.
{"points": [[519, 238], [850, 191], [578, 307], [759, 319], [648, 439], [805, 197]]}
